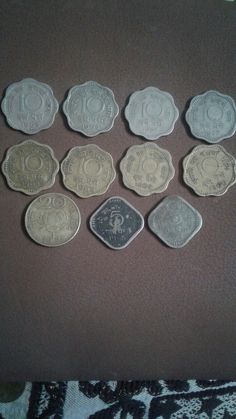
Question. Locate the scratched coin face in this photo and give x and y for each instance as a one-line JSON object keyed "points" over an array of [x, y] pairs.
{"points": [[147, 169], [29, 106], [88, 170], [30, 167], [212, 116], [175, 221], [209, 170], [90, 108], [151, 113], [116, 223], [52, 219]]}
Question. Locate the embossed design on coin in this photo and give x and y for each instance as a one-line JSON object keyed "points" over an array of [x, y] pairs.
{"points": [[175, 221], [147, 169], [90, 108], [209, 170], [29, 106], [30, 167], [151, 113], [88, 170], [52, 219], [116, 223], [212, 116]]}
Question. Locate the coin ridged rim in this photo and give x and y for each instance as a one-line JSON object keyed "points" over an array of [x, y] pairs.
{"points": [[168, 158], [29, 208], [196, 230], [66, 102], [131, 238], [86, 147], [194, 151], [191, 106], [49, 185], [170, 97], [9, 120]]}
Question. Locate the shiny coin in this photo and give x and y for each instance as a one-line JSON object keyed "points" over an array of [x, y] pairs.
{"points": [[29, 106], [175, 221], [52, 219], [212, 116], [151, 113], [209, 170], [30, 167], [88, 170], [147, 169], [11, 391], [90, 108], [116, 223]]}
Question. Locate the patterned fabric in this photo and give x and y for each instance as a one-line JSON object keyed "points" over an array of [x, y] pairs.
{"points": [[190, 399]]}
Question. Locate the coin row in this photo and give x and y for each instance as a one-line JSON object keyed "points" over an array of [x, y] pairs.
{"points": [[54, 219], [31, 167], [90, 108]]}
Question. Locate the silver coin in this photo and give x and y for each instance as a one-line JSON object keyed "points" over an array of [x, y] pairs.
{"points": [[30, 167], [52, 219], [175, 221], [151, 113], [88, 170], [212, 116], [116, 222], [29, 106], [90, 108]]}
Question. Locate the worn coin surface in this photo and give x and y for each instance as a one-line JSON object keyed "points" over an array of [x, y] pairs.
{"points": [[212, 116], [151, 113], [29, 106], [116, 222], [175, 221], [88, 170], [30, 167], [52, 219], [147, 169], [209, 170], [90, 108]]}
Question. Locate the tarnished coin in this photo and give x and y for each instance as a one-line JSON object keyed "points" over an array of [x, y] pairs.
{"points": [[29, 106], [30, 167], [90, 108], [116, 222], [147, 169], [209, 170], [10, 391], [175, 221], [52, 219], [212, 116], [88, 170], [151, 113]]}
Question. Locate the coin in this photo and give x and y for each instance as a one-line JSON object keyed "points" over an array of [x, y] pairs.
{"points": [[209, 170], [116, 222], [29, 106], [147, 169], [88, 170], [175, 221], [30, 167], [11, 391], [212, 116], [151, 113], [52, 219], [90, 108]]}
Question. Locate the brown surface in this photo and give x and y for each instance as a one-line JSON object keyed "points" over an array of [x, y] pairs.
{"points": [[83, 311]]}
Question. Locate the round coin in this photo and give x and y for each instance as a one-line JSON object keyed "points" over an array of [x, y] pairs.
{"points": [[29, 106], [151, 113], [212, 116], [52, 219], [88, 170], [209, 170], [147, 169], [90, 108], [30, 167]]}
